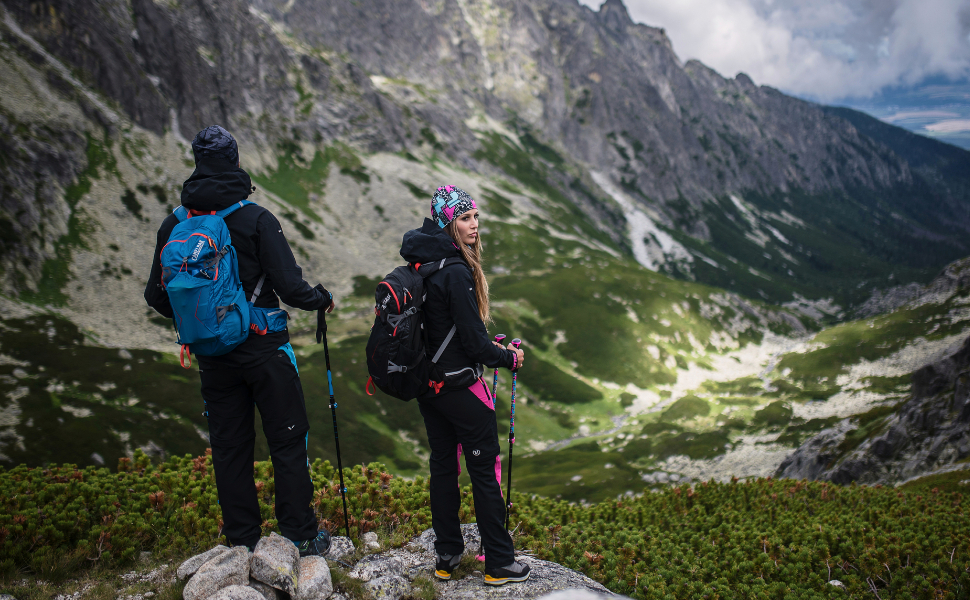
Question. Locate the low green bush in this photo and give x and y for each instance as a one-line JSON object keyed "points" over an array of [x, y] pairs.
{"points": [[756, 539]]}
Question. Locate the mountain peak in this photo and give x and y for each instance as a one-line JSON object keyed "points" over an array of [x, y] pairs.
{"points": [[615, 15]]}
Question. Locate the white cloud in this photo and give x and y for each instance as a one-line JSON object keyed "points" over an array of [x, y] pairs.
{"points": [[825, 49]]}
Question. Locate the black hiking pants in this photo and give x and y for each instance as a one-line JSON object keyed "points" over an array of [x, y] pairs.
{"points": [[461, 417], [230, 396]]}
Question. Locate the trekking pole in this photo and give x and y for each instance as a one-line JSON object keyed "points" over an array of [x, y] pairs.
{"points": [[322, 333], [508, 512], [498, 339]]}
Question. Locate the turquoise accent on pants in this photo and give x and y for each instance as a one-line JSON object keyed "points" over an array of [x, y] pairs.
{"points": [[289, 352]]}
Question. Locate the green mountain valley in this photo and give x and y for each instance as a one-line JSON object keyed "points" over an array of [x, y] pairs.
{"points": [[745, 314]]}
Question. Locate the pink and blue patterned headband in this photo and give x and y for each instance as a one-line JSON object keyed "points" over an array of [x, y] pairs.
{"points": [[449, 202]]}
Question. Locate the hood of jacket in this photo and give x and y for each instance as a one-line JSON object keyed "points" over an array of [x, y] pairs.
{"points": [[215, 184], [428, 244]]}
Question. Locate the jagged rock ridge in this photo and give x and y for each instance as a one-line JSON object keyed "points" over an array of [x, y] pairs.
{"points": [[754, 186]]}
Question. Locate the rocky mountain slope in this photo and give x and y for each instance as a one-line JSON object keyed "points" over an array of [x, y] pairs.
{"points": [[717, 179], [925, 434], [610, 176]]}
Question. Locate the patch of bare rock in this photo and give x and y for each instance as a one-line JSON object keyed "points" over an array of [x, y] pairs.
{"points": [[275, 571]]}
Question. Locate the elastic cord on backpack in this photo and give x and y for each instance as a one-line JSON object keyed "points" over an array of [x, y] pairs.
{"points": [[185, 353], [370, 382]]}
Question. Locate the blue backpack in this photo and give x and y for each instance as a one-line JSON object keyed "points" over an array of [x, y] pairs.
{"points": [[200, 273]]}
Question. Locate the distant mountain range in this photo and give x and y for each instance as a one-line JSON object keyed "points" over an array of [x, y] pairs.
{"points": [[937, 108]]}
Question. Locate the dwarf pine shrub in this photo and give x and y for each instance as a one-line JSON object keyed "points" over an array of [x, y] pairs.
{"points": [[760, 538]]}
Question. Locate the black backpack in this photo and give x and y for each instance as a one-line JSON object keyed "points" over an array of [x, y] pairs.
{"points": [[397, 362]]}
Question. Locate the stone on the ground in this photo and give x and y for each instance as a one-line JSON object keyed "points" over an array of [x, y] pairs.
{"points": [[266, 591], [546, 578], [469, 534], [375, 566], [315, 582], [275, 563], [6, 597], [189, 567], [388, 587], [338, 597], [340, 547], [236, 592], [370, 542], [223, 570]]}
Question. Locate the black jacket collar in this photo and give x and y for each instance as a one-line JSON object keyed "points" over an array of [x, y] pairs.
{"points": [[214, 185]]}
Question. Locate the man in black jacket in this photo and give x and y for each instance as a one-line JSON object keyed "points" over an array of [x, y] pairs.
{"points": [[262, 370]]}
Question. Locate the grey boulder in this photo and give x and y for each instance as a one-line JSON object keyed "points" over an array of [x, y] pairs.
{"points": [[315, 582], [189, 567], [237, 592], [371, 544], [224, 570], [375, 566], [546, 578], [275, 563], [267, 591], [469, 534], [340, 547], [388, 587]]}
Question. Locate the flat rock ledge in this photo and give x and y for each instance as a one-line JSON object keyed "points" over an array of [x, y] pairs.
{"points": [[387, 575]]}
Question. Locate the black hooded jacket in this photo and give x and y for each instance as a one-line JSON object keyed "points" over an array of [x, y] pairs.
{"points": [[260, 247], [451, 301]]}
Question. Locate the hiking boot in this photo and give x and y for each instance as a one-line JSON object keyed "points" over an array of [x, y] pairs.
{"points": [[317, 546], [446, 565], [512, 573]]}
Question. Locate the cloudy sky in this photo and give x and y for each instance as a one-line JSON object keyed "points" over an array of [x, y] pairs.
{"points": [[835, 51]]}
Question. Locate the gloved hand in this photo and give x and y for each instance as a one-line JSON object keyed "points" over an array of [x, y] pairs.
{"points": [[321, 324], [322, 313]]}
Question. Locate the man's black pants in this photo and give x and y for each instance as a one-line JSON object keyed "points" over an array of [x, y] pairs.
{"points": [[230, 395], [461, 417]]}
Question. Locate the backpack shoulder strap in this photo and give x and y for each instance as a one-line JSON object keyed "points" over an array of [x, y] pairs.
{"points": [[427, 269], [182, 213], [228, 211]]}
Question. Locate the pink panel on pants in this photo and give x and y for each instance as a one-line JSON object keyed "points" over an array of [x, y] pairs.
{"points": [[481, 390]]}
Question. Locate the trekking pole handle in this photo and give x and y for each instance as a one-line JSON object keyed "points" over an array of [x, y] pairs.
{"points": [[516, 342], [500, 337]]}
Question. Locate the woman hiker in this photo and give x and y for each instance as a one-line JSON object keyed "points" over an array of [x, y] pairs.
{"points": [[459, 413]]}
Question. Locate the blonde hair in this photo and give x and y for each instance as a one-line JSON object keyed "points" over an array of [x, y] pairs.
{"points": [[473, 256]]}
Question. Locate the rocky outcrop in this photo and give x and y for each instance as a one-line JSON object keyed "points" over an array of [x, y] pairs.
{"points": [[955, 276], [385, 575], [929, 432]]}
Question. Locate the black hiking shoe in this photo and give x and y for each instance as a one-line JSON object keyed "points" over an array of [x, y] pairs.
{"points": [[512, 573], [317, 546], [446, 565]]}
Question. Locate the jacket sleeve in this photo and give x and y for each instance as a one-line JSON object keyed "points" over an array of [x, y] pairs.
{"points": [[155, 294], [471, 332], [276, 260]]}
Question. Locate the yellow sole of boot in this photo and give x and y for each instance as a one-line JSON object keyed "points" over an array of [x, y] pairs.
{"points": [[489, 580], [444, 575]]}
